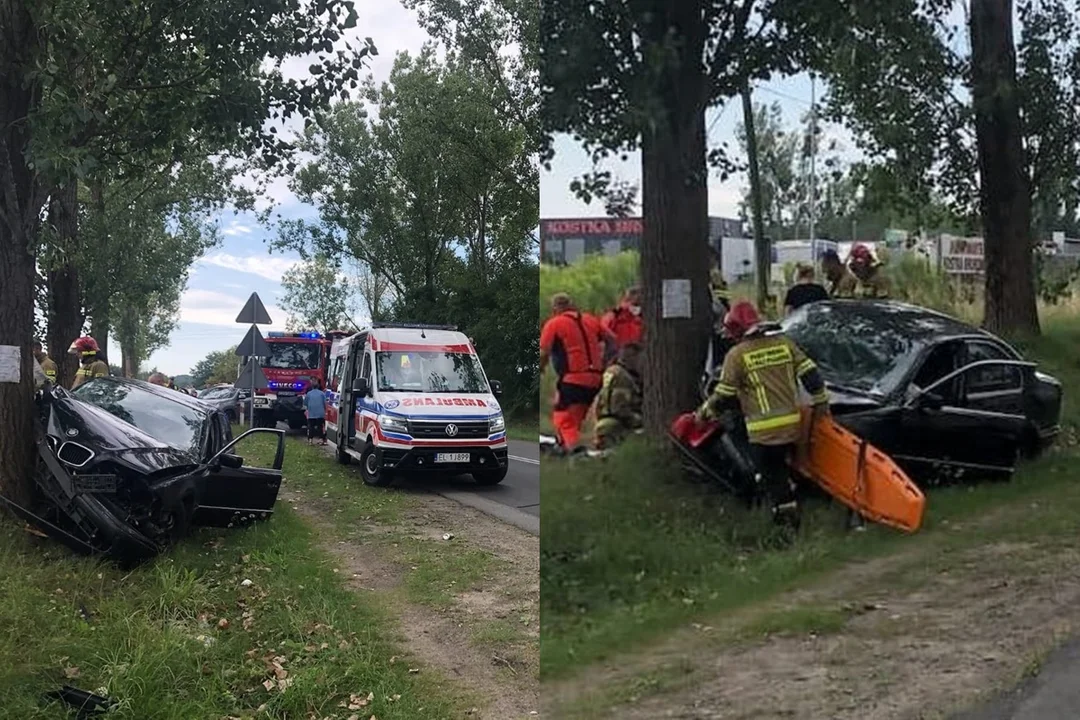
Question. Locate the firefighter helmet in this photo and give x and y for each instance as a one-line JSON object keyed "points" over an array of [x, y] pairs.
{"points": [[740, 318], [84, 346], [862, 254]]}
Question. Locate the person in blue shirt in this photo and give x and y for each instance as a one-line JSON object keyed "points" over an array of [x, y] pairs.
{"points": [[315, 408]]}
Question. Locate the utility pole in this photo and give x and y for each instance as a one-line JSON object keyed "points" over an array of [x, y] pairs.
{"points": [[762, 258], [813, 159]]}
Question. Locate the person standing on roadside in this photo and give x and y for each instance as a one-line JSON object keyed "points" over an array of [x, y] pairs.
{"points": [[805, 290], [624, 321], [842, 284], [315, 409], [48, 366], [575, 344]]}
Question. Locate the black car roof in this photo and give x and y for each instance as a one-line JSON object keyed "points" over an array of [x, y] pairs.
{"points": [[917, 322], [175, 395]]}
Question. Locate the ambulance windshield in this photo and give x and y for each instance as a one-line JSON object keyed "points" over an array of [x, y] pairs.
{"points": [[430, 372]]}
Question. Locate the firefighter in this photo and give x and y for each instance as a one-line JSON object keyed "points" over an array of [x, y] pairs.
{"points": [[842, 284], [575, 343], [869, 272], [48, 366], [624, 321], [618, 406], [158, 379], [90, 364], [759, 378], [718, 288]]}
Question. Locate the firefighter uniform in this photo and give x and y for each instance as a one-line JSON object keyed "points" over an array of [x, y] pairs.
{"points": [[875, 284], [48, 366], [618, 407], [575, 342], [90, 368], [760, 376], [721, 298], [845, 286]]}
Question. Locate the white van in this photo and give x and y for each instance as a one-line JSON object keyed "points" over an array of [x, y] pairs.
{"points": [[405, 398]]}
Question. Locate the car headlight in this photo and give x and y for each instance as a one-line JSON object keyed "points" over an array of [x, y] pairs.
{"points": [[393, 424], [497, 424]]}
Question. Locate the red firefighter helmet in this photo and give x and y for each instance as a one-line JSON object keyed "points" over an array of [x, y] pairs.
{"points": [[84, 346], [740, 318], [861, 254]]}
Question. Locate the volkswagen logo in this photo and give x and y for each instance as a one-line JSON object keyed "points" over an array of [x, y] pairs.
{"points": [[451, 429]]}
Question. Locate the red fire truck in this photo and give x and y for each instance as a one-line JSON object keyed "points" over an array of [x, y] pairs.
{"points": [[297, 361]]}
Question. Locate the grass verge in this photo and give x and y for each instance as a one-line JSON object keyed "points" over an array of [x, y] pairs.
{"points": [[631, 549], [187, 637]]}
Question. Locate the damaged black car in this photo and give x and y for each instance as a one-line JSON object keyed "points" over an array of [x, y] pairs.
{"points": [[126, 468], [947, 401]]}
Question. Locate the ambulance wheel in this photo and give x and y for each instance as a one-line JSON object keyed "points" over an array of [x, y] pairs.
{"points": [[490, 477], [371, 472]]}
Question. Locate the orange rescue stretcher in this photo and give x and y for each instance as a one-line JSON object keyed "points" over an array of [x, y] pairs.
{"points": [[844, 465]]}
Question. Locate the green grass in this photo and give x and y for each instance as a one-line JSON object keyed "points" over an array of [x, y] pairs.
{"points": [[631, 549], [150, 639], [524, 430], [435, 570]]}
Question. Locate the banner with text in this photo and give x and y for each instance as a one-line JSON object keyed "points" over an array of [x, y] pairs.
{"points": [[961, 255]]}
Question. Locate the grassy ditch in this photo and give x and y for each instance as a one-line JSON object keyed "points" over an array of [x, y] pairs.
{"points": [[631, 549]]}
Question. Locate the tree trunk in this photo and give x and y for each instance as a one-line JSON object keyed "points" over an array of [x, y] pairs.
{"points": [[101, 323], [1005, 191], [65, 318], [20, 206], [674, 243]]}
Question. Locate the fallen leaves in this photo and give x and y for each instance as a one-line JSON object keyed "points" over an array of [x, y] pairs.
{"points": [[71, 672], [355, 702]]}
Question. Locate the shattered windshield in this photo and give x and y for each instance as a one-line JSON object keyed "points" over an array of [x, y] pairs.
{"points": [[865, 351], [293, 356], [170, 422], [216, 394], [430, 372]]}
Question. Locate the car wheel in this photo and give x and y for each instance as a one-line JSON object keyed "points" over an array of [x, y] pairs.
{"points": [[490, 477], [295, 423], [371, 472]]}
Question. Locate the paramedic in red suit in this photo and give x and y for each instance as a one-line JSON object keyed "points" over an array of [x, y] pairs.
{"points": [[625, 321], [576, 345]]}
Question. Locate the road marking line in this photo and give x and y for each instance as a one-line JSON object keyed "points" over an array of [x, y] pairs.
{"points": [[530, 461]]}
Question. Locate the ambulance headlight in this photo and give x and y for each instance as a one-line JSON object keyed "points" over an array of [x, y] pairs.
{"points": [[497, 424], [393, 424]]}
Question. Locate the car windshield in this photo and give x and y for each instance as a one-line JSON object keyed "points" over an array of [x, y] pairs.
{"points": [[868, 351], [216, 393], [293, 356], [170, 422], [430, 372]]}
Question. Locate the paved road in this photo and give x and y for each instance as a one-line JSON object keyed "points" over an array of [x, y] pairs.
{"points": [[1053, 694]]}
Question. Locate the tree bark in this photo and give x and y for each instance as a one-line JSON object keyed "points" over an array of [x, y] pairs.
{"points": [[65, 317], [674, 243], [1005, 190], [21, 199]]}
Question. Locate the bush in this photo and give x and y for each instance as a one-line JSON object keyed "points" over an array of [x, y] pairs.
{"points": [[916, 281], [595, 284]]}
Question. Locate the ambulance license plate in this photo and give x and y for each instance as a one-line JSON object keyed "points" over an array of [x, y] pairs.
{"points": [[452, 457]]}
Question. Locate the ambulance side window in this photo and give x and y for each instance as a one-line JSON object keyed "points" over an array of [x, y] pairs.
{"points": [[336, 369], [366, 373]]}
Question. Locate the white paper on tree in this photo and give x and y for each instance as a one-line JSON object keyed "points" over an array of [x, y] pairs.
{"points": [[676, 298], [9, 363]]}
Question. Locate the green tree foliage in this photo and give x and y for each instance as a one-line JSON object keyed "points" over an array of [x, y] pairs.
{"points": [[434, 195], [318, 295], [217, 367]]}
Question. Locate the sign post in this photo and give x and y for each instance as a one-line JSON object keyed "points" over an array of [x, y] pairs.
{"points": [[253, 346]]}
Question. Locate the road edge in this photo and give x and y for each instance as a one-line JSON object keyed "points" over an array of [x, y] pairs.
{"points": [[505, 513]]}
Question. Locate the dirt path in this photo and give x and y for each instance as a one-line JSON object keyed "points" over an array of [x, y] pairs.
{"points": [[919, 635], [486, 642]]}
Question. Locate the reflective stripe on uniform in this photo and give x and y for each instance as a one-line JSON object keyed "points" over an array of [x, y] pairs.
{"points": [[819, 398], [724, 390], [773, 423], [804, 367], [759, 393]]}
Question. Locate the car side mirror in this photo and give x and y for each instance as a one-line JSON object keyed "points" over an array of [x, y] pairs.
{"points": [[496, 388], [361, 386], [229, 460]]}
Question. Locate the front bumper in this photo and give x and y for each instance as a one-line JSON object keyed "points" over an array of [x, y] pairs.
{"points": [[422, 459], [289, 405]]}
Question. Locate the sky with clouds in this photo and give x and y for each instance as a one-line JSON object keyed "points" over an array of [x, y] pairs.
{"points": [[222, 281]]}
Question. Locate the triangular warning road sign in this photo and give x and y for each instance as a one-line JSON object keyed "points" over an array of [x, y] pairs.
{"points": [[244, 381], [253, 344], [254, 312]]}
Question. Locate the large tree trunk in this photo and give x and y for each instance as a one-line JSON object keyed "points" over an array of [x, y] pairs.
{"points": [[1005, 191], [20, 205], [65, 318], [674, 243]]}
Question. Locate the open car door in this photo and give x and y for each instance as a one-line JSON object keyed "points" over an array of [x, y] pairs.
{"points": [[957, 435], [235, 493]]}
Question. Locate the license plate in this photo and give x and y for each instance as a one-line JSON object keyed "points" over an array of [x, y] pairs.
{"points": [[95, 483], [262, 402], [286, 393], [452, 457]]}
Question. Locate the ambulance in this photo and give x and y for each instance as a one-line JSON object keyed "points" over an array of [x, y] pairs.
{"points": [[408, 399]]}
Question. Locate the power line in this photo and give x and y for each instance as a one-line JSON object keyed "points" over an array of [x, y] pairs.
{"points": [[768, 89]]}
